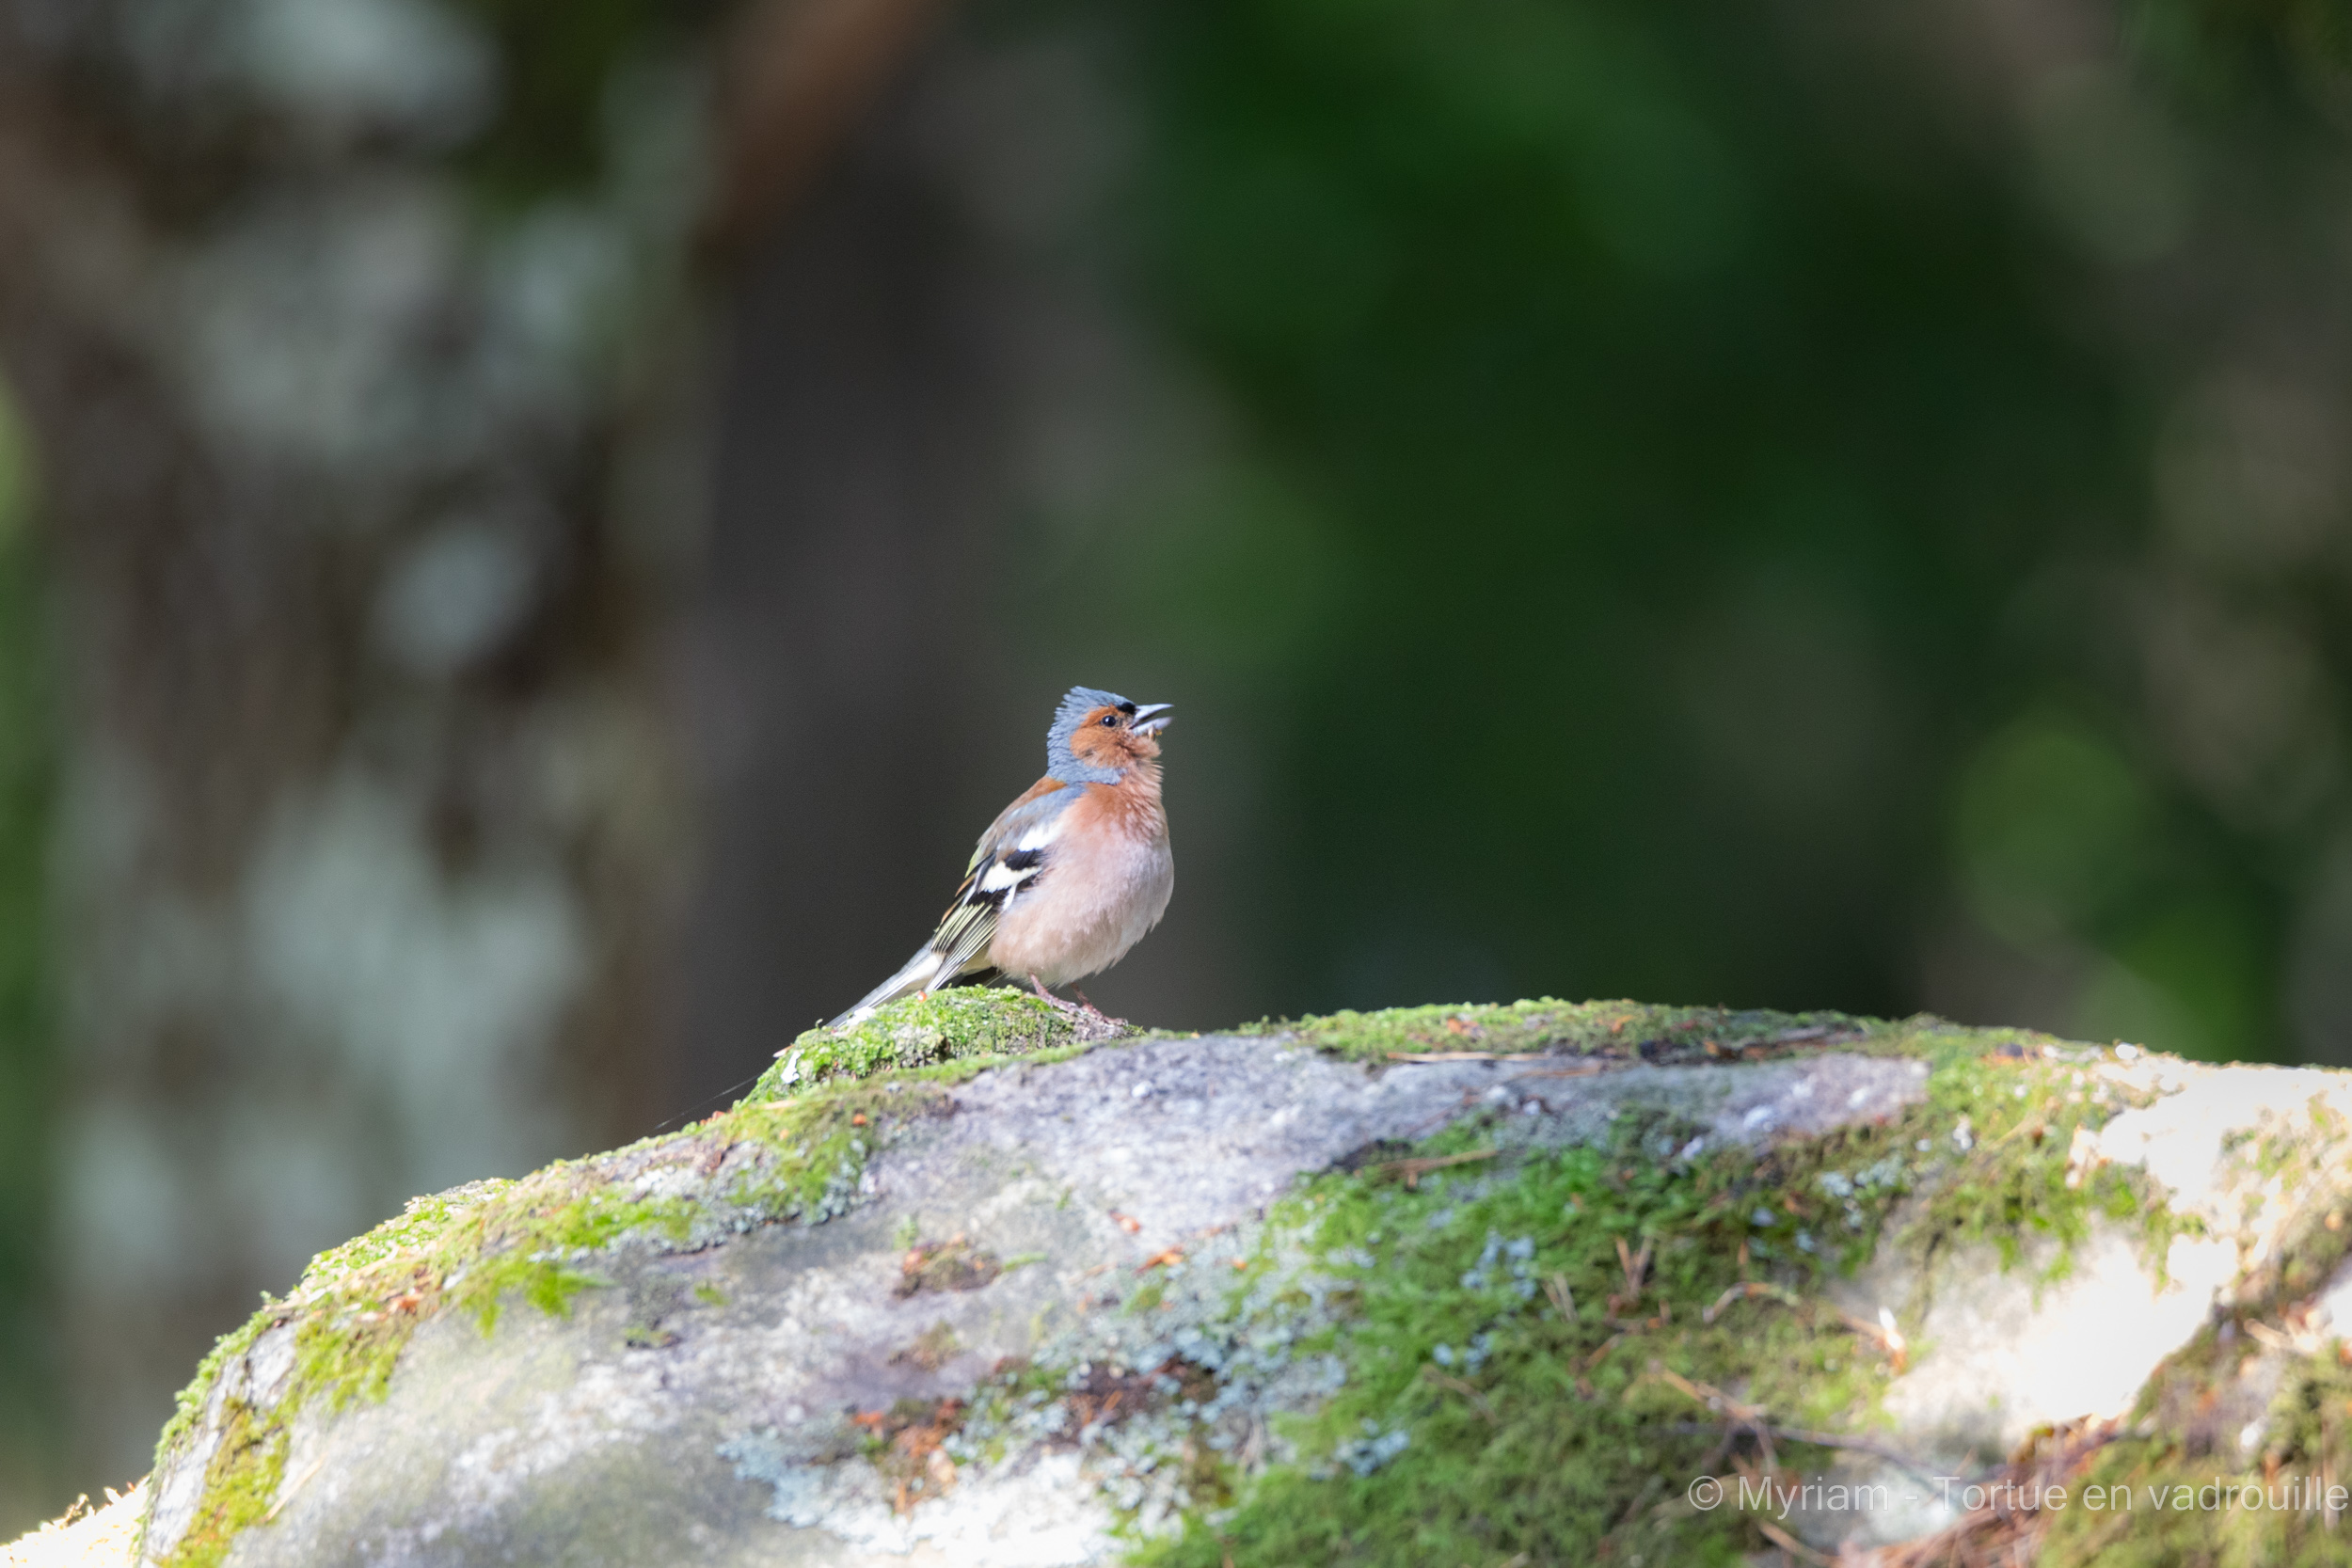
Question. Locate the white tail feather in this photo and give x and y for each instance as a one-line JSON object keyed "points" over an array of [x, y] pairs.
{"points": [[920, 973]]}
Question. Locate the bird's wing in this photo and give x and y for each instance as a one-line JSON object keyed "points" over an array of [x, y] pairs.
{"points": [[1029, 823], [1010, 859]]}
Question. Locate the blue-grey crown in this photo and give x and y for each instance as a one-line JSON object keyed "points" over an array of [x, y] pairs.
{"points": [[1060, 761]]}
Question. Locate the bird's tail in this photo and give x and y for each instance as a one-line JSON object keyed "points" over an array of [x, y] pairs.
{"points": [[923, 972]]}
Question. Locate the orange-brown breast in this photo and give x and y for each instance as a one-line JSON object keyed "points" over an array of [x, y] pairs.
{"points": [[1130, 808], [1107, 884]]}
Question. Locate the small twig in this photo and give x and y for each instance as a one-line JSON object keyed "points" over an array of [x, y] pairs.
{"points": [[1806, 1438], [1650, 1489], [1636, 1267], [1727, 1435], [1413, 1170], [1793, 1546], [285, 1494], [2266, 1336], [1750, 1288], [1467, 1389], [1885, 1335], [1709, 1394], [1574, 1070], [1564, 1301], [1855, 1445], [2015, 1532], [2034, 1125]]}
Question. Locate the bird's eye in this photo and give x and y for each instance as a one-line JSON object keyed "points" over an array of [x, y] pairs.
{"points": [[1110, 720]]}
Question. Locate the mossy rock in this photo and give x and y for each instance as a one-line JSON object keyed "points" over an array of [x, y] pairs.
{"points": [[1436, 1285], [967, 1023]]}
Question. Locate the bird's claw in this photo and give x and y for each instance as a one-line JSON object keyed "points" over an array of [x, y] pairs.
{"points": [[1094, 1012], [1081, 1010]]}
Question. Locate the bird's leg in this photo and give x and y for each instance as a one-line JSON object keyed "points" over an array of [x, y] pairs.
{"points": [[1093, 1011], [1039, 985], [1089, 1017]]}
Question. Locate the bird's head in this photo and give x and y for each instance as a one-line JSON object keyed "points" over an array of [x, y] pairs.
{"points": [[1098, 736]]}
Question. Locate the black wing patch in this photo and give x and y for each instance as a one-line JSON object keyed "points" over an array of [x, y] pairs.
{"points": [[970, 922]]}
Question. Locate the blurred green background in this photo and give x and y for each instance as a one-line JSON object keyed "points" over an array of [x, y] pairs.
{"points": [[1801, 506], [1771, 504]]}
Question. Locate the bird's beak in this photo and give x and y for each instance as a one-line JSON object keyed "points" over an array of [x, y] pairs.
{"points": [[1152, 717]]}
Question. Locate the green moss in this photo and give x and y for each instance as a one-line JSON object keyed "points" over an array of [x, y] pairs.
{"points": [[1627, 1030], [188, 1405], [2006, 1117], [2308, 1154], [238, 1485], [2193, 1491], [1512, 1373], [470, 1250], [975, 1026], [817, 1143], [1511, 1391]]}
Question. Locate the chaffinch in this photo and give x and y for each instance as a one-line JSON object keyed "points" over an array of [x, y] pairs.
{"points": [[1070, 875]]}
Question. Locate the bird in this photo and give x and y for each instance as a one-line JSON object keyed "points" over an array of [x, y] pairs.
{"points": [[1070, 875]]}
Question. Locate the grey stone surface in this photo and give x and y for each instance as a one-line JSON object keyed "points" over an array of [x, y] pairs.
{"points": [[705, 1406], [697, 1409]]}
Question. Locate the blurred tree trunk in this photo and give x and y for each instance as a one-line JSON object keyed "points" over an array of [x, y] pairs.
{"points": [[937, 395], [30, 1396], [362, 341], [355, 336]]}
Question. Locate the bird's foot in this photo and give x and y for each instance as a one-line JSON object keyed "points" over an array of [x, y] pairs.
{"points": [[1051, 1000], [1092, 1021], [1096, 1013]]}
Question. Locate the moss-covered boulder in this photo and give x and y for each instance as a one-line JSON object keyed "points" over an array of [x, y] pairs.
{"points": [[1543, 1283]]}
